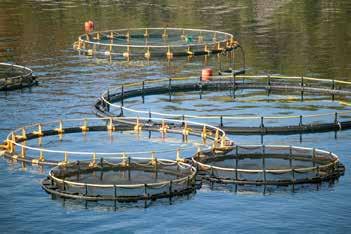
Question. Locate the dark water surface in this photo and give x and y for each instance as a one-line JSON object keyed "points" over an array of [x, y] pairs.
{"points": [[287, 37]]}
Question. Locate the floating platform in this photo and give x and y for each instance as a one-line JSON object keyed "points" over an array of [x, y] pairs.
{"points": [[123, 180], [15, 77], [154, 42]]}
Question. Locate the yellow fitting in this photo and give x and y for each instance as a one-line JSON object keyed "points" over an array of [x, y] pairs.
{"points": [[111, 35], [137, 126], [79, 44], [90, 52], [204, 133], [14, 157], [147, 53], [23, 136], [93, 161], [206, 49], [9, 145], [110, 48], [233, 42], [200, 39], [217, 135], [189, 52], [41, 157], [198, 151], [66, 157], [146, 34], [164, 127], [222, 142], [110, 126], [169, 54], [183, 36], [23, 149], [178, 157], [186, 130], [153, 159], [97, 36], [126, 55], [124, 161], [65, 160], [164, 34], [35, 161], [13, 141], [60, 130], [219, 48], [214, 36], [39, 132], [5, 145], [85, 128]]}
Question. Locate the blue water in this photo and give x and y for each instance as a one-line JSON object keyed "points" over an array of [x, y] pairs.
{"points": [[287, 37]]}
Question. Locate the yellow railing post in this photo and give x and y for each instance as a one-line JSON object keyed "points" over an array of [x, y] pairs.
{"points": [[110, 126], [39, 132], [84, 127]]}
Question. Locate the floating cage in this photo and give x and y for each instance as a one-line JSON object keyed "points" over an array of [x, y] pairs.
{"points": [[269, 165], [155, 42], [17, 148], [111, 102], [125, 179], [15, 77]]}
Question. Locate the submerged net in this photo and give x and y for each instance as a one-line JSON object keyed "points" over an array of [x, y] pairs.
{"points": [[124, 179], [15, 76], [155, 42], [270, 165]]}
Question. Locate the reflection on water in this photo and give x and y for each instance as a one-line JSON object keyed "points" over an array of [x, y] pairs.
{"points": [[285, 37], [243, 190]]}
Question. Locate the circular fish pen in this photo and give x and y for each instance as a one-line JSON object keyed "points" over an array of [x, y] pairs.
{"points": [[155, 42], [15, 77], [269, 165], [16, 145], [125, 179], [112, 102]]}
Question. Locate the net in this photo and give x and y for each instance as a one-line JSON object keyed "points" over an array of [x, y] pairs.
{"points": [[270, 165], [15, 77], [126, 179]]}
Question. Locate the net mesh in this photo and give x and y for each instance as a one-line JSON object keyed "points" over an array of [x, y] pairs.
{"points": [[270, 165], [15, 76]]}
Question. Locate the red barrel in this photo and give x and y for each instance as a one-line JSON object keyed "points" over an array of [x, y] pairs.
{"points": [[206, 74], [89, 26]]}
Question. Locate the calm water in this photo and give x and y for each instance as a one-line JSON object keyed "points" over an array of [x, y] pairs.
{"points": [[288, 37]]}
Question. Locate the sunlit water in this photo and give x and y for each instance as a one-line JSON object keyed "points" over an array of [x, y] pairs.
{"points": [[287, 37]]}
